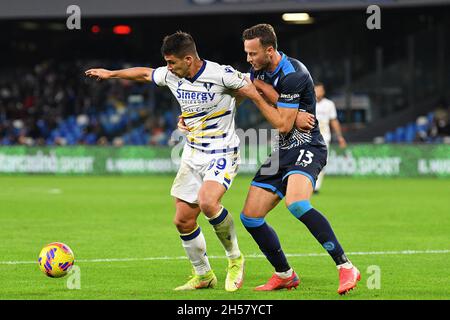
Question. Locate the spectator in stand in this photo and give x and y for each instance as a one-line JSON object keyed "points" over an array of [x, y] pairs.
{"points": [[422, 126], [440, 126]]}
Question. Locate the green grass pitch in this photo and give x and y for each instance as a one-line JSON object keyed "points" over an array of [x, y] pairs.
{"points": [[130, 219]]}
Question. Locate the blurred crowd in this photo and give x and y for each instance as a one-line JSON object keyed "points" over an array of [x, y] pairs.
{"points": [[434, 127], [54, 104]]}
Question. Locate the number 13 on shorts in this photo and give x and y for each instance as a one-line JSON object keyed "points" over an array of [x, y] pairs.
{"points": [[304, 158]]}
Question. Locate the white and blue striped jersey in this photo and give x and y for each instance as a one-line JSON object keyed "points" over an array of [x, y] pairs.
{"points": [[207, 104]]}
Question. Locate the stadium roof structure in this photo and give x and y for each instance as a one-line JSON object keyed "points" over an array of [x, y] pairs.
{"points": [[107, 8]]}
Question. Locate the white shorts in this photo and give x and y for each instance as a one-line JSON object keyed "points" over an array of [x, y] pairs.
{"points": [[197, 167]]}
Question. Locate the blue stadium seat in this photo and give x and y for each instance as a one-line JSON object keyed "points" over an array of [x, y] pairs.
{"points": [[410, 133], [400, 135], [91, 138], [389, 137]]}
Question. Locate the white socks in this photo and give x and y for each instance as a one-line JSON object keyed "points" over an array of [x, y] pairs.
{"points": [[195, 246], [347, 265], [223, 225], [286, 274]]}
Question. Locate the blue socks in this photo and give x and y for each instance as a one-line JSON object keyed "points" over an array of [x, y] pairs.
{"points": [[268, 242], [317, 224], [321, 229]]}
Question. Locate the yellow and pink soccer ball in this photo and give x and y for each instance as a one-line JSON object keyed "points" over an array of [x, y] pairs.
{"points": [[56, 259]]}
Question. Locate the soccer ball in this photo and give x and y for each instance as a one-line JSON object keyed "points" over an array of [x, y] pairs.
{"points": [[56, 259]]}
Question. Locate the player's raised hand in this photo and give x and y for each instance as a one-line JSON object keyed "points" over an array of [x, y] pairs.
{"points": [[305, 121], [98, 74]]}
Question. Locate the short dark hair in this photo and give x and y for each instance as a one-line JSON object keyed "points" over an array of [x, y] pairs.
{"points": [[179, 44], [264, 32], [319, 84]]}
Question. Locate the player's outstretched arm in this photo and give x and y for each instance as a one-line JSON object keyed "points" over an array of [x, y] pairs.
{"points": [[141, 74]]}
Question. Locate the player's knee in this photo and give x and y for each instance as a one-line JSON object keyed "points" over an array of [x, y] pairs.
{"points": [[251, 222], [298, 208], [291, 200], [251, 207], [209, 206], [184, 225]]}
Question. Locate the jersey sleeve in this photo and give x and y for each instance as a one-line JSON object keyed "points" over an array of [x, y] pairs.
{"points": [[233, 79], [159, 76], [255, 74], [290, 89], [252, 74]]}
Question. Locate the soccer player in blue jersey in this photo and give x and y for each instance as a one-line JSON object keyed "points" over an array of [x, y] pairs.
{"points": [[300, 157]]}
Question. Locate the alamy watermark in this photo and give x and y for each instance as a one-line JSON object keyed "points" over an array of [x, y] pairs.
{"points": [[374, 20], [374, 280], [254, 148], [73, 281], [73, 22]]}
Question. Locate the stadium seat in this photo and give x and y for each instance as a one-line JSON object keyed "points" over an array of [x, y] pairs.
{"points": [[389, 137], [400, 135], [410, 133]]}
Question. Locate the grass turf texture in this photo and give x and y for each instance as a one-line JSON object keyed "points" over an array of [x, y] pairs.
{"points": [[131, 217]]}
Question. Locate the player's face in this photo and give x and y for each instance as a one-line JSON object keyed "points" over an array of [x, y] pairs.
{"points": [[178, 66], [257, 55], [320, 92]]}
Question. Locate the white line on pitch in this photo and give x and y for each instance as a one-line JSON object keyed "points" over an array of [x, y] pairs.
{"points": [[255, 256]]}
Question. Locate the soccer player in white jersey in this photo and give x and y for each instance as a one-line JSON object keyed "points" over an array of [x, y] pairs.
{"points": [[205, 91], [326, 116]]}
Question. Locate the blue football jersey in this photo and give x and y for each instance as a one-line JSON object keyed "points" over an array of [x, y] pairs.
{"points": [[292, 80]]}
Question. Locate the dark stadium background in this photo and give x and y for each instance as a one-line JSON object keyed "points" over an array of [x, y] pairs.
{"points": [[403, 69]]}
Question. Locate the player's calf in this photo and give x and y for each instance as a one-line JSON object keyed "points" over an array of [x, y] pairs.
{"points": [[320, 228], [186, 215], [267, 240], [223, 225]]}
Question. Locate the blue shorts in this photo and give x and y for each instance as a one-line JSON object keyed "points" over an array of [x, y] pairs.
{"points": [[304, 159]]}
